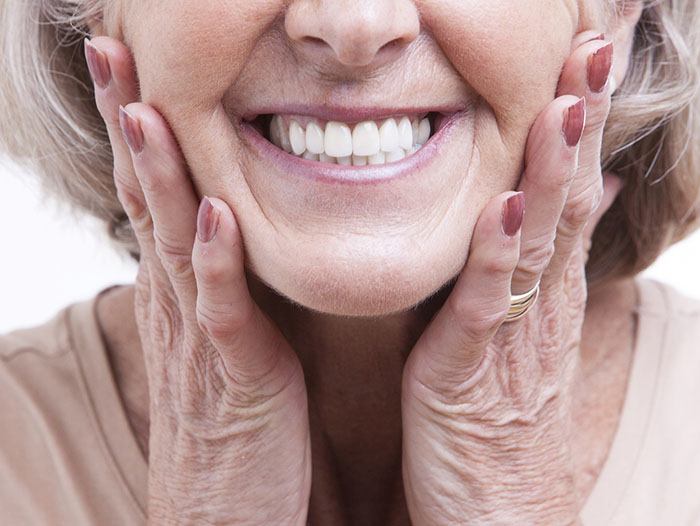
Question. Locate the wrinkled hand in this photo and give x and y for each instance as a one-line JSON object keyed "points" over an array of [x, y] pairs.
{"points": [[486, 404], [229, 435]]}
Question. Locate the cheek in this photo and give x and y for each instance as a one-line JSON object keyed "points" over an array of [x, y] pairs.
{"points": [[511, 53], [197, 54]]}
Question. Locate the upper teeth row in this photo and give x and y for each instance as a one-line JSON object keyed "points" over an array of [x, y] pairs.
{"points": [[366, 139]]}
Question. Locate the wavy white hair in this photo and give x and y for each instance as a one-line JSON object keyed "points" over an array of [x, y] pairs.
{"points": [[652, 140]]}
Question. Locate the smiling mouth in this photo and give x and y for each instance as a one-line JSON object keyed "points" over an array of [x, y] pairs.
{"points": [[362, 143]]}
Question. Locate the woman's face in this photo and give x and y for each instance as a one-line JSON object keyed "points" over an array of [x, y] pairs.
{"points": [[358, 249]]}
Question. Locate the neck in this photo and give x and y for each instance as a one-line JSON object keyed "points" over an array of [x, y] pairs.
{"points": [[353, 369]]}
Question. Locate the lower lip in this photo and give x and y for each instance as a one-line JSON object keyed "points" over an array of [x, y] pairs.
{"points": [[352, 175]]}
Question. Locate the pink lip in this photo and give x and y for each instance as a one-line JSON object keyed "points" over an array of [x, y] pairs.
{"points": [[352, 175]]}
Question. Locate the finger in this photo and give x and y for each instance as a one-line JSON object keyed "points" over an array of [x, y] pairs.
{"points": [[451, 349], [585, 74], [161, 171], [111, 68], [550, 163], [249, 345]]}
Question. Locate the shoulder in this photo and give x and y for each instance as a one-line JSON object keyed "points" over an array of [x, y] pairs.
{"points": [[662, 300], [670, 323], [45, 340]]}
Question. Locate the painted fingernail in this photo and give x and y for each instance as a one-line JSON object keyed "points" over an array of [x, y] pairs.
{"points": [[513, 212], [574, 119], [207, 221], [599, 65], [98, 65], [131, 130]]}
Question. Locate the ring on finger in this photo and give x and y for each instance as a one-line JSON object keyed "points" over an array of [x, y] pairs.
{"points": [[521, 303]]}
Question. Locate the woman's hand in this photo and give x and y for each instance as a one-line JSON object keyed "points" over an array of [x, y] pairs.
{"points": [[487, 406], [229, 434]]}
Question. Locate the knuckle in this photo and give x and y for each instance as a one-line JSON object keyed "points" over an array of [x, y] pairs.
{"points": [[142, 221], [221, 323], [478, 321], [155, 180], [176, 260], [579, 207], [501, 265], [124, 178], [166, 323], [535, 257], [212, 270]]}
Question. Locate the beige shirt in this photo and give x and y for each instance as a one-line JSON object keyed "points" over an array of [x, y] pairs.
{"points": [[68, 455]]}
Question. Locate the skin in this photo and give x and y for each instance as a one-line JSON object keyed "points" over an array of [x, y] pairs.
{"points": [[480, 56]]}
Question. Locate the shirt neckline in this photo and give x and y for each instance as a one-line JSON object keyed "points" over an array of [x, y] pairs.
{"points": [[602, 502], [615, 476], [107, 406]]}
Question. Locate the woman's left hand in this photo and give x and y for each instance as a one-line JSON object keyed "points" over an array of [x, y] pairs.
{"points": [[487, 405]]}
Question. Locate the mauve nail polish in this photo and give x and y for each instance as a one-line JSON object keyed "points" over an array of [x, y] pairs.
{"points": [[574, 120], [98, 65], [207, 221], [513, 213], [599, 66], [131, 130]]}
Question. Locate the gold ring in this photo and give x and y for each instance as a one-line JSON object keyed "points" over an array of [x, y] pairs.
{"points": [[521, 303]]}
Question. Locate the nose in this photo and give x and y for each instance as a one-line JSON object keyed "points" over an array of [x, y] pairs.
{"points": [[352, 32]]}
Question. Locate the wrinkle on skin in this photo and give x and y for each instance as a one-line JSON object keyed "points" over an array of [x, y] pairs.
{"points": [[384, 252], [500, 59]]}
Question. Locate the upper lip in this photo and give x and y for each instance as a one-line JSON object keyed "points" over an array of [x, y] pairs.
{"points": [[349, 114]]}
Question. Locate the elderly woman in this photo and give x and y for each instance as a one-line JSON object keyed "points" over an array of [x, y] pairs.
{"points": [[388, 255]]}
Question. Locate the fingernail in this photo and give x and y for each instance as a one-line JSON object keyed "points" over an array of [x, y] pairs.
{"points": [[207, 221], [131, 130], [513, 212], [599, 65], [98, 65], [574, 119]]}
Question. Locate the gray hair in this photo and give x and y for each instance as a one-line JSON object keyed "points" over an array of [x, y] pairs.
{"points": [[51, 126]]}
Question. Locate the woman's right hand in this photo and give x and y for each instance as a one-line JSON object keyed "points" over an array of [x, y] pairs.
{"points": [[229, 434]]}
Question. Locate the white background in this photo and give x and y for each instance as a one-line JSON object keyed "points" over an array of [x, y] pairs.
{"points": [[50, 258]]}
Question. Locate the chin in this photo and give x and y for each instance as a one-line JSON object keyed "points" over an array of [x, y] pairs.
{"points": [[361, 281]]}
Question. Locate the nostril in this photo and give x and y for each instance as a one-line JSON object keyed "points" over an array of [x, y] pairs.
{"points": [[315, 41], [391, 46]]}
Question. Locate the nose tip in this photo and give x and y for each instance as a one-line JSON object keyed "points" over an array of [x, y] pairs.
{"points": [[352, 32]]}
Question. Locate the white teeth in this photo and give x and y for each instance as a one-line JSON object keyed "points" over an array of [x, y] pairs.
{"points": [[297, 138], [405, 133], [338, 139], [365, 143], [396, 155], [365, 138], [423, 132], [314, 138], [389, 136], [359, 160], [377, 158]]}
